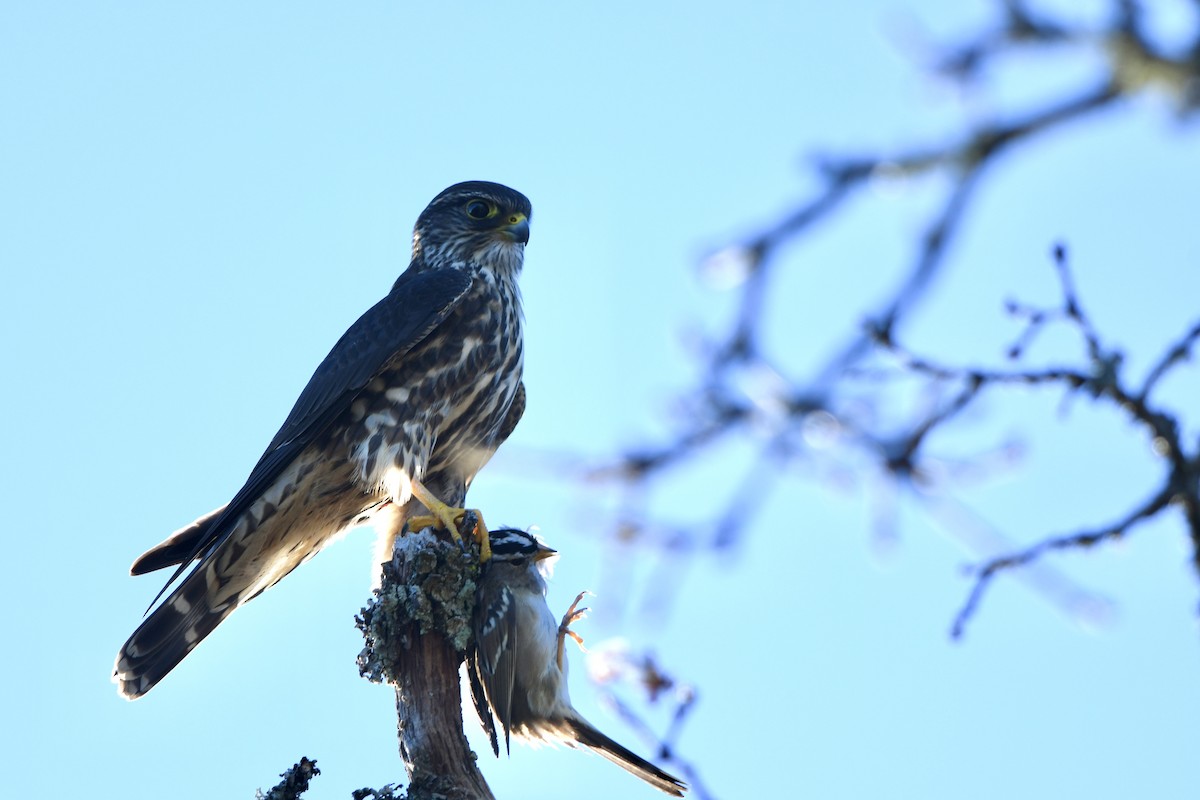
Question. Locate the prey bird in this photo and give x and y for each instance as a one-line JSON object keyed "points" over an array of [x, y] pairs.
{"points": [[518, 670], [400, 416]]}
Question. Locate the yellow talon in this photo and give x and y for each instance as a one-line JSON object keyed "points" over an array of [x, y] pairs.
{"points": [[420, 523], [448, 518]]}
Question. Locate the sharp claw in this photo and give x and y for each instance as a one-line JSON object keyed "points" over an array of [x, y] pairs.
{"points": [[574, 614], [453, 520], [480, 531], [466, 525]]}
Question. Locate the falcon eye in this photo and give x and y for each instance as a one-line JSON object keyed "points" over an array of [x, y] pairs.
{"points": [[480, 209]]}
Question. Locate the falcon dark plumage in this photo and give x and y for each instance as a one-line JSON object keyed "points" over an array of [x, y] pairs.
{"points": [[404, 411]]}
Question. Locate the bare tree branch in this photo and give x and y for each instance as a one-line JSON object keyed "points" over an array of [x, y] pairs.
{"points": [[1078, 539], [741, 390], [417, 627], [1101, 378], [295, 782], [843, 418]]}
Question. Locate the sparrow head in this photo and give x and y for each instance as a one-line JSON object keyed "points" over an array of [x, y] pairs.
{"points": [[518, 549]]}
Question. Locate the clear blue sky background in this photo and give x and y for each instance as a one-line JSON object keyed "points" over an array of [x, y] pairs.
{"points": [[195, 201]]}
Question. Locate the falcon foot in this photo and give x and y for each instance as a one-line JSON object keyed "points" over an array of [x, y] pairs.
{"points": [[448, 518], [564, 627]]}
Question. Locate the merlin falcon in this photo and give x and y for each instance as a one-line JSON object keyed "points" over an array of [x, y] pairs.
{"points": [[408, 406]]}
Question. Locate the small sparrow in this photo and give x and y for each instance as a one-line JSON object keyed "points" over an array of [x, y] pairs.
{"points": [[518, 669]]}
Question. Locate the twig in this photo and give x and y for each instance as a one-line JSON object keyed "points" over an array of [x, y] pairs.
{"points": [[295, 782], [1078, 539]]}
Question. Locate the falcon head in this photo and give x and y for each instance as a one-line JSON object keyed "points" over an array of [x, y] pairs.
{"points": [[475, 223]]}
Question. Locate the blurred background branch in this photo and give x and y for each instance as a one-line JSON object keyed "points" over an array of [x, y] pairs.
{"points": [[741, 387], [872, 404]]}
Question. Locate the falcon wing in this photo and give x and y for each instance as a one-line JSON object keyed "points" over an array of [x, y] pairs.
{"points": [[418, 302]]}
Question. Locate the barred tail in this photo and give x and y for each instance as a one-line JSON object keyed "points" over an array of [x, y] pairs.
{"points": [[171, 632], [587, 736]]}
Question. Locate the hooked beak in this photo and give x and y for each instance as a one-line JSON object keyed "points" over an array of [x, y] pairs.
{"points": [[517, 228]]}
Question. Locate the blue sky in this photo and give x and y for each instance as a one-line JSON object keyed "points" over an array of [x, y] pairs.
{"points": [[197, 201]]}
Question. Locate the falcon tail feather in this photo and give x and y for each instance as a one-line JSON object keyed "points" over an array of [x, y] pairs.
{"points": [[179, 547], [165, 637]]}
